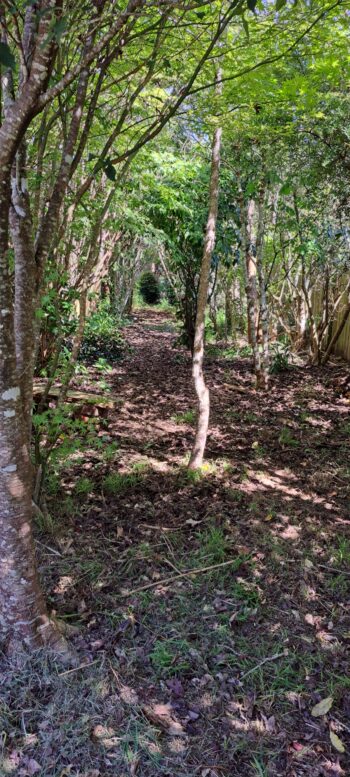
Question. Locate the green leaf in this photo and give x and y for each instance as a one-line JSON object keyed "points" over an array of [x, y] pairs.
{"points": [[336, 742], [322, 707], [287, 188], [6, 57], [280, 4]]}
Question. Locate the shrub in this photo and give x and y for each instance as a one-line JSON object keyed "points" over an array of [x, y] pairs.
{"points": [[169, 293], [149, 288], [280, 353], [102, 338]]}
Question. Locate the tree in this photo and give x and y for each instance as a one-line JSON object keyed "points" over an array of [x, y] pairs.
{"points": [[202, 390]]}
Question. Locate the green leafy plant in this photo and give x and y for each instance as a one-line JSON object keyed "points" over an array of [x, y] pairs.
{"points": [[149, 288], [280, 355], [286, 438], [103, 342]]}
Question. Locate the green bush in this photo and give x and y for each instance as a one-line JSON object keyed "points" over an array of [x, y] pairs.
{"points": [[102, 337], [149, 288], [280, 354], [169, 293]]}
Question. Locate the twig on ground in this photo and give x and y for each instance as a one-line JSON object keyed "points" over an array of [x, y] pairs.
{"points": [[167, 580], [47, 547], [261, 663], [343, 725], [76, 668], [334, 570]]}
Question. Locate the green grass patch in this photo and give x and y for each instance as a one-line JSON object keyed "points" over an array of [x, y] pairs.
{"points": [[188, 417], [83, 486], [170, 657], [117, 482]]}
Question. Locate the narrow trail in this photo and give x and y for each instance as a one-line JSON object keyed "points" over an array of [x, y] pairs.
{"points": [[154, 381]]}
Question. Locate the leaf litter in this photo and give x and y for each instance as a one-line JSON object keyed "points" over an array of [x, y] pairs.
{"points": [[238, 671]]}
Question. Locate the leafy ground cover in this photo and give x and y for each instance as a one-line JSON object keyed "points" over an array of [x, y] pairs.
{"points": [[219, 673]]}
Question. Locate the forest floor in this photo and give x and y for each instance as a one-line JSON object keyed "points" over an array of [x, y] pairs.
{"points": [[216, 674]]}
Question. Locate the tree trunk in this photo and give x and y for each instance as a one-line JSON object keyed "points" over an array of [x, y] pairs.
{"points": [[250, 268], [248, 226], [337, 333], [301, 322], [23, 618], [25, 271], [202, 391], [263, 377]]}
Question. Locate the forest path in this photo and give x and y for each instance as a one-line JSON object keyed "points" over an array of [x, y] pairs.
{"points": [[214, 675], [154, 382]]}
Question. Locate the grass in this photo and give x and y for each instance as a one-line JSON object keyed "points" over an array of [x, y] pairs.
{"points": [[342, 551], [188, 417], [109, 452], [213, 545], [170, 657], [287, 438], [83, 486], [260, 769], [52, 484], [117, 482]]}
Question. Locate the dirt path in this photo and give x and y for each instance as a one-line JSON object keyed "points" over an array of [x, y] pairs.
{"points": [[214, 675]]}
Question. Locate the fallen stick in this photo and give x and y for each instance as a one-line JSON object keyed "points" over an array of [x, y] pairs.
{"points": [[168, 580], [264, 661], [76, 668], [235, 387], [334, 570]]}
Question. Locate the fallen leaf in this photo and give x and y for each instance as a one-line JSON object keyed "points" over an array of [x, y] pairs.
{"points": [[322, 707], [336, 742], [175, 686], [161, 715], [105, 736], [309, 618], [128, 695], [31, 767]]}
